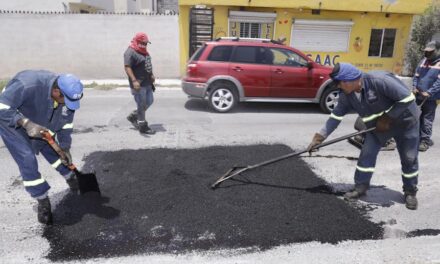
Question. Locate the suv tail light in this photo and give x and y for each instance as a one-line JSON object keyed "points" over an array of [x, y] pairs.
{"points": [[191, 69]]}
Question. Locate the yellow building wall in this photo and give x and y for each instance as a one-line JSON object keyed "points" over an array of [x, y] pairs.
{"points": [[397, 6], [359, 37]]}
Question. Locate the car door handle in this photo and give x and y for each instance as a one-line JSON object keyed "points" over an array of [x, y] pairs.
{"points": [[237, 69], [279, 71]]}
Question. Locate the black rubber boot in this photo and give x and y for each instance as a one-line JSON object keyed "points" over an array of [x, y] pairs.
{"points": [[145, 129], [73, 183], [44, 211], [133, 119], [358, 191], [410, 198]]}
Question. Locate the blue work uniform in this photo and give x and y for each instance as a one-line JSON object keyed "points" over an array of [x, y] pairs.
{"points": [[427, 79], [382, 93], [28, 95]]}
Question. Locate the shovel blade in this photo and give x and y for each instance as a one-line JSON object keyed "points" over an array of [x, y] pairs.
{"points": [[87, 182]]}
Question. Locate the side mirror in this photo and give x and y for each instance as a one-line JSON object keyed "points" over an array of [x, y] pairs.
{"points": [[309, 65]]}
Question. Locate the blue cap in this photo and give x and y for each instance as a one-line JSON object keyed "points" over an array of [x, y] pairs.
{"points": [[345, 72], [72, 89]]}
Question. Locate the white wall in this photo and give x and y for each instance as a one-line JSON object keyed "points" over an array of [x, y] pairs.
{"points": [[88, 45], [35, 5]]}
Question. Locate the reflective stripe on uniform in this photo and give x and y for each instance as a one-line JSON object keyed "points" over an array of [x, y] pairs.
{"points": [[68, 126], [336, 117], [371, 169], [371, 117], [34, 182], [410, 175], [51, 132], [408, 98], [4, 107], [56, 163]]}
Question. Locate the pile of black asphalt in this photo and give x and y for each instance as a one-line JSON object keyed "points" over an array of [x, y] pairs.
{"points": [[160, 201]]}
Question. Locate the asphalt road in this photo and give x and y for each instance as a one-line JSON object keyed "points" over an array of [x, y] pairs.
{"points": [[100, 125]]}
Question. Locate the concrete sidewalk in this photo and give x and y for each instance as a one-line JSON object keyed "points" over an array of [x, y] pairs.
{"points": [[119, 82]]}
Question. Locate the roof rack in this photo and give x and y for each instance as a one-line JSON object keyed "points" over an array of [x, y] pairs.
{"points": [[263, 40], [243, 39]]}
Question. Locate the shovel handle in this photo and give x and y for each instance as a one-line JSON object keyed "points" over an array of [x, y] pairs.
{"points": [[51, 141]]}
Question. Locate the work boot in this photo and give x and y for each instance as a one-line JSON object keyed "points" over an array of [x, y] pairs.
{"points": [[44, 211], [73, 183], [357, 141], [389, 145], [411, 201], [133, 119], [358, 191], [424, 146], [145, 129]]}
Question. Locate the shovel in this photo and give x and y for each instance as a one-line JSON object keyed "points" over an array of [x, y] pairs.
{"points": [[234, 171], [87, 181]]}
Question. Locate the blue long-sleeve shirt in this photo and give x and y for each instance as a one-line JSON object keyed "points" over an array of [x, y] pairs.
{"points": [[427, 78], [381, 93], [28, 95]]}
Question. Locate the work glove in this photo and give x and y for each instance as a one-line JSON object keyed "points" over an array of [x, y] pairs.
{"points": [[383, 123], [317, 139], [32, 129], [67, 160]]}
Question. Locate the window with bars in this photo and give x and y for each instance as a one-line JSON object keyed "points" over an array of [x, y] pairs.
{"points": [[250, 30], [382, 42]]}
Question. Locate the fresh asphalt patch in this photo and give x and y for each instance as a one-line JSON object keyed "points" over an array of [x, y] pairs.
{"points": [[160, 201]]}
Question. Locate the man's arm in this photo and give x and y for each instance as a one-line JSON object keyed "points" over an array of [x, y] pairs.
{"points": [[397, 91], [10, 100], [435, 88]]}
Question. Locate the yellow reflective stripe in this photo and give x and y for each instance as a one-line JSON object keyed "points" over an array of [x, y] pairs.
{"points": [[371, 117], [336, 117], [4, 107], [51, 133], [34, 182], [365, 169], [55, 104], [410, 175], [68, 126], [389, 109], [408, 98], [56, 163]]}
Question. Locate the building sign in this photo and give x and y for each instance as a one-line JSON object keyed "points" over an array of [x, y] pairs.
{"points": [[324, 59]]}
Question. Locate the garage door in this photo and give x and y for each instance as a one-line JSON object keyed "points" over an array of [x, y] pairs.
{"points": [[321, 35]]}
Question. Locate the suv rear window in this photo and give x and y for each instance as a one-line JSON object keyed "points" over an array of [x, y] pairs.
{"points": [[198, 53], [220, 53], [248, 54]]}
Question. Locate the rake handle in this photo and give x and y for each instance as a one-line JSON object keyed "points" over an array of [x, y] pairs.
{"points": [[51, 141], [228, 174]]}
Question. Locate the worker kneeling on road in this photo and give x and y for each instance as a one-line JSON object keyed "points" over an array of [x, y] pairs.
{"points": [[385, 102], [34, 102]]}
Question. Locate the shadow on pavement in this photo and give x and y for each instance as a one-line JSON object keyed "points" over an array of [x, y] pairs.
{"points": [[257, 107]]}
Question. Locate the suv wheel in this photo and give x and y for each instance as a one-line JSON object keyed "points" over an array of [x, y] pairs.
{"points": [[222, 97], [329, 99]]}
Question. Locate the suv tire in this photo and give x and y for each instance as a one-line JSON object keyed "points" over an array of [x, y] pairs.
{"points": [[329, 98], [222, 97]]}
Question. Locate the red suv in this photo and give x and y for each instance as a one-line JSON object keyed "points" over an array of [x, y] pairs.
{"points": [[231, 70]]}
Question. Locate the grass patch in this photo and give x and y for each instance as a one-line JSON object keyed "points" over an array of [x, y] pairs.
{"points": [[107, 86], [3, 83]]}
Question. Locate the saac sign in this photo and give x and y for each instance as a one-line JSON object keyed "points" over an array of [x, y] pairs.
{"points": [[326, 60]]}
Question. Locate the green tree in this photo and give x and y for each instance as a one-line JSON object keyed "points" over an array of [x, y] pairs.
{"points": [[424, 28]]}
